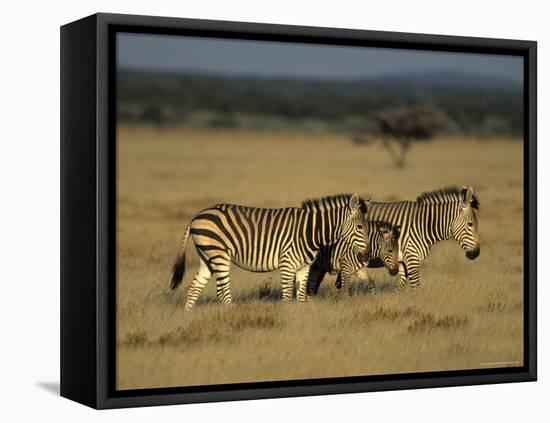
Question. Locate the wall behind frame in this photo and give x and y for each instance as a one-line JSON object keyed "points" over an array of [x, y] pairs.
{"points": [[30, 175]]}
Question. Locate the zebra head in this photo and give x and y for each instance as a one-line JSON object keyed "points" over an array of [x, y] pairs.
{"points": [[385, 245], [464, 227], [354, 228]]}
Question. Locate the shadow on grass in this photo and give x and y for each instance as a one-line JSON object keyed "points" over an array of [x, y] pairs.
{"points": [[176, 299], [384, 287], [267, 292], [357, 288]]}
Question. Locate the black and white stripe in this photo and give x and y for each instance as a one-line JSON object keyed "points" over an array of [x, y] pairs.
{"points": [[339, 258], [448, 213], [263, 240]]}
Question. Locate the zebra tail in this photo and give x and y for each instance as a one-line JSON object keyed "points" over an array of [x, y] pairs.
{"points": [[179, 266]]}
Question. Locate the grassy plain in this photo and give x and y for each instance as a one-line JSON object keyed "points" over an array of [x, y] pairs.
{"points": [[466, 314]]}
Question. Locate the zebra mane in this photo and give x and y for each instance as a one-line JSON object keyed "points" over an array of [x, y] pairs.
{"points": [[451, 194], [332, 201], [394, 229], [382, 224]]}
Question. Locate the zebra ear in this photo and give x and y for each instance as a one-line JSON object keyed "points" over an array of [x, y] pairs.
{"points": [[467, 195], [382, 230], [364, 206], [354, 203]]}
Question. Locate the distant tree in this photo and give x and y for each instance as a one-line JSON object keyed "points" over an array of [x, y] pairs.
{"points": [[401, 127]]}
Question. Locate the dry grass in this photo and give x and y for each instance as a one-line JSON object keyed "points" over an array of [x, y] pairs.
{"points": [[464, 314]]}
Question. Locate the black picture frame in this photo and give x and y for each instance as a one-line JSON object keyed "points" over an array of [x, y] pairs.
{"points": [[88, 199]]}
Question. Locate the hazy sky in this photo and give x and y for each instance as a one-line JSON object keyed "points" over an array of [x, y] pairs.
{"points": [[267, 59]]}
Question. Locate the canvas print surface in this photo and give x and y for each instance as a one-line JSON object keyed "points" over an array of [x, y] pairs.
{"points": [[301, 211]]}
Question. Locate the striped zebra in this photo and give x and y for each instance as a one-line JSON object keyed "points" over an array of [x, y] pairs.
{"points": [[263, 240], [338, 258], [442, 214]]}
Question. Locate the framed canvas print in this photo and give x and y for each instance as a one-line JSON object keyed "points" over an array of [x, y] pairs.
{"points": [[255, 211]]}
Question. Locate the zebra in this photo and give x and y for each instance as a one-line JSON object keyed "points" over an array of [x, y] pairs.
{"points": [[337, 257], [435, 216], [267, 239]]}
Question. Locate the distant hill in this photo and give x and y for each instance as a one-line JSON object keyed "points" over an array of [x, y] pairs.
{"points": [[475, 104], [450, 80]]}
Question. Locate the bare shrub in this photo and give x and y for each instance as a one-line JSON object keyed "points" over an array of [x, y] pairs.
{"points": [[247, 317], [429, 322], [196, 331], [414, 319], [501, 307], [136, 338], [222, 325], [385, 313]]}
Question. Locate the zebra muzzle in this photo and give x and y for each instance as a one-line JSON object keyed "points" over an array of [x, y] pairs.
{"points": [[473, 254], [393, 270]]}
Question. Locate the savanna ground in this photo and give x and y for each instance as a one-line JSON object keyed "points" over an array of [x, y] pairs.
{"points": [[466, 314]]}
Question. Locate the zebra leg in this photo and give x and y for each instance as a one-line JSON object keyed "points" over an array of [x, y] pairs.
{"points": [[301, 282], [223, 288], [402, 276], [345, 276], [201, 279], [314, 280], [371, 286], [414, 274], [363, 274], [287, 281], [220, 269], [338, 281]]}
